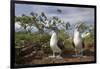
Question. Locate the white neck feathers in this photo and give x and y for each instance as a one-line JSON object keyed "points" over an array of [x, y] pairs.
{"points": [[76, 34], [54, 36]]}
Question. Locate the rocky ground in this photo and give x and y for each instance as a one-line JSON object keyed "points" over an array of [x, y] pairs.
{"points": [[64, 60], [88, 56], [40, 58]]}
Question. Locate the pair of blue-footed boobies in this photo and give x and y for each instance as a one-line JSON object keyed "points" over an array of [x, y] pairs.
{"points": [[77, 42]]}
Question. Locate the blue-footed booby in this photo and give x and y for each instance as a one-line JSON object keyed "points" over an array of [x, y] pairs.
{"points": [[78, 42], [55, 44]]}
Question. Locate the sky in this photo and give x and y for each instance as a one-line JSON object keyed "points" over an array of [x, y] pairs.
{"points": [[69, 14]]}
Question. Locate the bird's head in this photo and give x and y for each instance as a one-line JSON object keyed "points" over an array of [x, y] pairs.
{"points": [[55, 29], [77, 26]]}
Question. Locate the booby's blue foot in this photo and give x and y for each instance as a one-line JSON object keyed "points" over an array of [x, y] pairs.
{"points": [[58, 57], [52, 56]]}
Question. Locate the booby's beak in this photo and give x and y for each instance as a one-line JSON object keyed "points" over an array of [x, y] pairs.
{"points": [[78, 27]]}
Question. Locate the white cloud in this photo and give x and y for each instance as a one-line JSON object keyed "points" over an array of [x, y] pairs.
{"points": [[71, 14]]}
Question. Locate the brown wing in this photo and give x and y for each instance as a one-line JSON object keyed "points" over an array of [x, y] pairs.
{"points": [[83, 46], [73, 44], [61, 44]]}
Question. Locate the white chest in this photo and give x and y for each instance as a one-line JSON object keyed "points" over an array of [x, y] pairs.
{"points": [[77, 39], [53, 43], [53, 40]]}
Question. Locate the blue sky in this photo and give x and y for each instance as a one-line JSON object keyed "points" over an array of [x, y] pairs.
{"points": [[69, 14]]}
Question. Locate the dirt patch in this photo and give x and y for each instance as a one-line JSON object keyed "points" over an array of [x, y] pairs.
{"points": [[64, 60], [41, 58]]}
